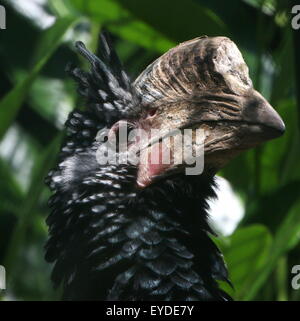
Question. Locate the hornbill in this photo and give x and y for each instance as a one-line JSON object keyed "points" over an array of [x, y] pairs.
{"points": [[140, 231]]}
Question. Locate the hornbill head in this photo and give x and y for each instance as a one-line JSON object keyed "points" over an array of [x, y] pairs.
{"points": [[200, 84], [139, 231]]}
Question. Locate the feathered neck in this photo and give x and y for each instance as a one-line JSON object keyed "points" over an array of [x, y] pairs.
{"points": [[111, 241]]}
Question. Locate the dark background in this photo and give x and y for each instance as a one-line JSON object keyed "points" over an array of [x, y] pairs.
{"points": [[36, 96]]}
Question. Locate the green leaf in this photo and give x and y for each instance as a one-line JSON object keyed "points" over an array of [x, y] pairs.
{"points": [[270, 209], [177, 20], [287, 236], [62, 8], [245, 252], [12, 102], [120, 21], [27, 208], [10, 190], [285, 68]]}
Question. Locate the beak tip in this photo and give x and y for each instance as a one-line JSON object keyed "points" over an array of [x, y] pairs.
{"points": [[281, 127], [276, 124], [259, 111]]}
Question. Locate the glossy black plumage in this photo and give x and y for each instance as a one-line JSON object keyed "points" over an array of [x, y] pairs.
{"points": [[108, 239]]}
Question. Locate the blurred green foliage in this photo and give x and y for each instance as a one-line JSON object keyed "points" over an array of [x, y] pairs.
{"points": [[36, 96]]}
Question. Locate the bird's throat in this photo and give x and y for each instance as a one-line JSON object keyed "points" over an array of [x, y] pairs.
{"points": [[154, 161]]}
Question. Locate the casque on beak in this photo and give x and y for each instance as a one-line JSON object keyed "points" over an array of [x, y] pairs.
{"points": [[204, 84]]}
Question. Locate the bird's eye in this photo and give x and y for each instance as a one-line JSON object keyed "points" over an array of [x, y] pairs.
{"points": [[152, 112]]}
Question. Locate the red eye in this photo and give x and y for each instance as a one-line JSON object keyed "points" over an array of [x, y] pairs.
{"points": [[152, 112]]}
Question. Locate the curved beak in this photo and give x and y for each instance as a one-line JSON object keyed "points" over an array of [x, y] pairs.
{"points": [[257, 111]]}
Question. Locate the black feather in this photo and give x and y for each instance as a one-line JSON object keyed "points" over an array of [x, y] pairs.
{"points": [[106, 239]]}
